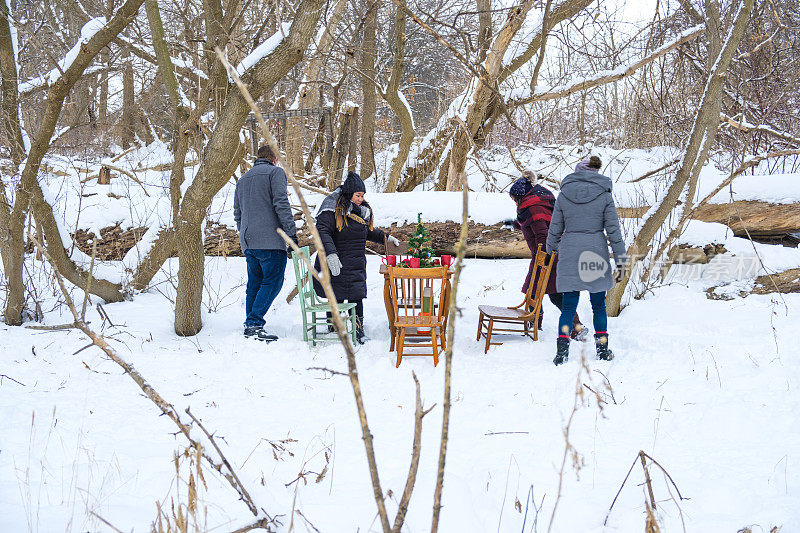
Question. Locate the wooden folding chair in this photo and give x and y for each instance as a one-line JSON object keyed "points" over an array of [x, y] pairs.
{"points": [[418, 297], [525, 314], [314, 309]]}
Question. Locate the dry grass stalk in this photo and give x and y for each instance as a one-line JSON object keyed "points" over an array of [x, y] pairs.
{"points": [[651, 524], [324, 277], [461, 248], [641, 456], [165, 407], [416, 447], [569, 450]]}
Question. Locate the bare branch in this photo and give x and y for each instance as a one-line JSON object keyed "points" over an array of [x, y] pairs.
{"points": [[416, 447], [748, 128], [608, 76], [325, 279], [461, 249], [165, 407]]}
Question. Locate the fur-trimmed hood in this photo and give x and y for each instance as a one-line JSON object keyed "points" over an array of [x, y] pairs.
{"points": [[330, 201]]}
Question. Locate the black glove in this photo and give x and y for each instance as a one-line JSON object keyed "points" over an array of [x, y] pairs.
{"points": [[618, 274], [289, 248]]}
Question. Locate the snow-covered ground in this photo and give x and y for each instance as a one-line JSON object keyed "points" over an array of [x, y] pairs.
{"points": [[707, 388]]}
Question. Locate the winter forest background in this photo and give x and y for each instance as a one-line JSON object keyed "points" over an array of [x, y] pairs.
{"points": [[129, 399]]}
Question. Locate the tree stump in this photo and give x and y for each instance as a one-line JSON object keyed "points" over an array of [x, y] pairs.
{"points": [[104, 177]]}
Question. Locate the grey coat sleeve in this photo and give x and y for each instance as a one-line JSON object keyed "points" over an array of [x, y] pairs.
{"points": [[237, 210], [611, 225], [280, 202], [556, 229]]}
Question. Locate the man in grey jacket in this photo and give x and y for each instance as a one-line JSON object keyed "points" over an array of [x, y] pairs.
{"points": [[583, 215], [260, 207]]}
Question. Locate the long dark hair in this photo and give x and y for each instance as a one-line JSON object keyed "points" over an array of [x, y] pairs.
{"points": [[342, 206]]}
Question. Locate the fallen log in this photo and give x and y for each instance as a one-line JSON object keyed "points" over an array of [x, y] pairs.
{"points": [[783, 282], [760, 218], [764, 221]]}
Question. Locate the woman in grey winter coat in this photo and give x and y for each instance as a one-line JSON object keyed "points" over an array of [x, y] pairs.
{"points": [[583, 215]]}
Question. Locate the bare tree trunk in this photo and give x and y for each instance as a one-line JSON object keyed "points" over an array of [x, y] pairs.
{"points": [[191, 256], [369, 104], [702, 136], [484, 28], [165, 67], [182, 126], [352, 149], [11, 250], [9, 89], [160, 251], [102, 104], [394, 97], [308, 91], [29, 191], [484, 95], [13, 254], [428, 161], [128, 124], [216, 36], [431, 153], [222, 155], [341, 151]]}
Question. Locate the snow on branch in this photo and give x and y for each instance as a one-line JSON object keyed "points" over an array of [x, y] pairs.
{"points": [[747, 128], [264, 49], [532, 35], [46, 80], [523, 96], [149, 54]]}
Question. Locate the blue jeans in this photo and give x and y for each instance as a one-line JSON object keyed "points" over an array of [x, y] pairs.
{"points": [[265, 270], [570, 305]]}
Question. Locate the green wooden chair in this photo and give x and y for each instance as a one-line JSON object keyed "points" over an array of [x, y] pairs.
{"points": [[315, 320]]}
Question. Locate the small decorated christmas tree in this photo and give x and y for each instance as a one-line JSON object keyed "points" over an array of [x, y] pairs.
{"points": [[419, 244]]}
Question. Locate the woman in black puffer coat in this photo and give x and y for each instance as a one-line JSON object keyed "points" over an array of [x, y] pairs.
{"points": [[344, 222]]}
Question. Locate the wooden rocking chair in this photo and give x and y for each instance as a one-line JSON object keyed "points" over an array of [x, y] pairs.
{"points": [[525, 314], [418, 296]]}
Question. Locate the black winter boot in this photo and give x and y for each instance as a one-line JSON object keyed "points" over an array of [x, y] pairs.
{"points": [[361, 337], [539, 319], [601, 343], [579, 331], [258, 333], [562, 351]]}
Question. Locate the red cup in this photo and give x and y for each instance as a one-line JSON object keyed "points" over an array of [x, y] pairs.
{"points": [[414, 262], [447, 260], [390, 260]]}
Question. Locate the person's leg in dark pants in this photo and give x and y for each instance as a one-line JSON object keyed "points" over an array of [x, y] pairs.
{"points": [[272, 265], [361, 337], [600, 318], [569, 304], [578, 331], [254, 277]]}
